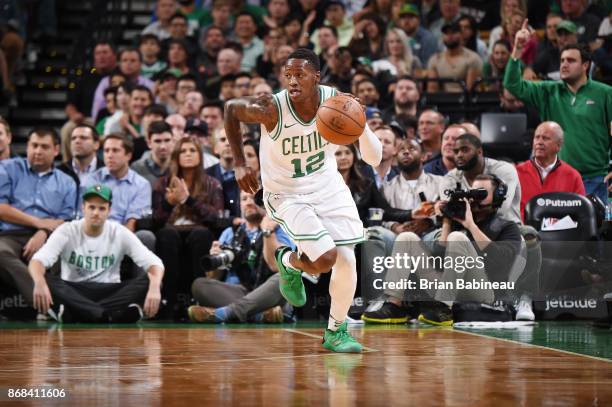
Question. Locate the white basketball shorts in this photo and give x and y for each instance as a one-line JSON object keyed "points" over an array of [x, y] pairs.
{"points": [[319, 221]]}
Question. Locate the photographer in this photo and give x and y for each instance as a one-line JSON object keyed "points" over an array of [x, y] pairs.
{"points": [[250, 288], [480, 232]]}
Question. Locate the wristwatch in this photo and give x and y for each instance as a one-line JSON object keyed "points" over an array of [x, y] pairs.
{"points": [[267, 232]]}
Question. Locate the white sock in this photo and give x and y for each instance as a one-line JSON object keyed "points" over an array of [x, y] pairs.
{"points": [[333, 324], [342, 285], [285, 259]]}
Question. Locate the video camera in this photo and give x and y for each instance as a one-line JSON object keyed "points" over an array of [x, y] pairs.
{"points": [[455, 208]]}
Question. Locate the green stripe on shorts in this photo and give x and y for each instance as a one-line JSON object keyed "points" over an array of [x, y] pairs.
{"points": [[346, 242]]}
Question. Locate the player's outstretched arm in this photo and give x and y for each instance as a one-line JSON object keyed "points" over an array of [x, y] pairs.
{"points": [[248, 110], [370, 147], [368, 144]]}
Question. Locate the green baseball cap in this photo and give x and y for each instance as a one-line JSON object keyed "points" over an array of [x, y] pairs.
{"points": [[98, 190], [409, 9], [568, 26]]}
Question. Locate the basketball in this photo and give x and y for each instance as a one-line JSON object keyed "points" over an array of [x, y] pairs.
{"points": [[341, 120]]}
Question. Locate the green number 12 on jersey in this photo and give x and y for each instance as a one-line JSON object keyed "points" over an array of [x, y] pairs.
{"points": [[313, 163]]}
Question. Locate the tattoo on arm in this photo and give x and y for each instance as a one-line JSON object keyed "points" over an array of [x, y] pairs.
{"points": [[247, 110], [255, 110]]}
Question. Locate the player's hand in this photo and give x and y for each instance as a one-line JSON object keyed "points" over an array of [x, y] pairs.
{"points": [[152, 301], [42, 297], [354, 97], [246, 178], [34, 244], [523, 35], [607, 180]]}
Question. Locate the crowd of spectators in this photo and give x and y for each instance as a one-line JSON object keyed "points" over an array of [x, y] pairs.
{"points": [[147, 121]]}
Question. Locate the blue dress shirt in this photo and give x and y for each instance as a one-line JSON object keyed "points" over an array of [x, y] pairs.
{"points": [[49, 195]]}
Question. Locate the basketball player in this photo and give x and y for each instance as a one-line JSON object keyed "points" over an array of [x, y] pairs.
{"points": [[303, 190]]}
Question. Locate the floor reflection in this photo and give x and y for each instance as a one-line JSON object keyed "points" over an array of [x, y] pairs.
{"points": [[249, 366]]}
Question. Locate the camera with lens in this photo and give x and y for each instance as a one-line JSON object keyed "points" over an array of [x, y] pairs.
{"points": [[455, 208], [234, 253]]}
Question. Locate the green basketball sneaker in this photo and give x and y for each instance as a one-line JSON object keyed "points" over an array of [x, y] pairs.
{"points": [[291, 284], [341, 341]]}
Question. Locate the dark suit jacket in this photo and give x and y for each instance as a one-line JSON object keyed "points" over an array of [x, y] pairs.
{"points": [[231, 190]]}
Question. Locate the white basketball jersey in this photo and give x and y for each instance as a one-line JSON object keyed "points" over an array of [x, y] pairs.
{"points": [[294, 158]]}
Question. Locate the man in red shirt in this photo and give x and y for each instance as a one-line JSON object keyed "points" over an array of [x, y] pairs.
{"points": [[545, 172]]}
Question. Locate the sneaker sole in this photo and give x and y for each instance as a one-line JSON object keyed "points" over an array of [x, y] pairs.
{"points": [[402, 320], [436, 323], [290, 301]]}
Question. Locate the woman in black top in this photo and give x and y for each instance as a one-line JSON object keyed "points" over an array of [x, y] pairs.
{"points": [[364, 191]]}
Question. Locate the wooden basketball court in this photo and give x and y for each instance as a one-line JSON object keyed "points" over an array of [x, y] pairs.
{"points": [[186, 365]]}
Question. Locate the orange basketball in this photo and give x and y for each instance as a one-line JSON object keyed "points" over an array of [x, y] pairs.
{"points": [[341, 120]]}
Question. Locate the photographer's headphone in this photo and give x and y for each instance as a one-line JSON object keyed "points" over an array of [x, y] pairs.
{"points": [[499, 193]]}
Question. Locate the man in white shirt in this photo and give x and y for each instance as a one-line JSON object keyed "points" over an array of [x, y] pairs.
{"points": [[164, 10], [405, 190], [91, 251]]}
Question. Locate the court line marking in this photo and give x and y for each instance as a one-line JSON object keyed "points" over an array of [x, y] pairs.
{"points": [[144, 365], [533, 345], [295, 331]]}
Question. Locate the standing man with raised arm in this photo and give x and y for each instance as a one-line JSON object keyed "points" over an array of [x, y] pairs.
{"points": [[581, 106]]}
